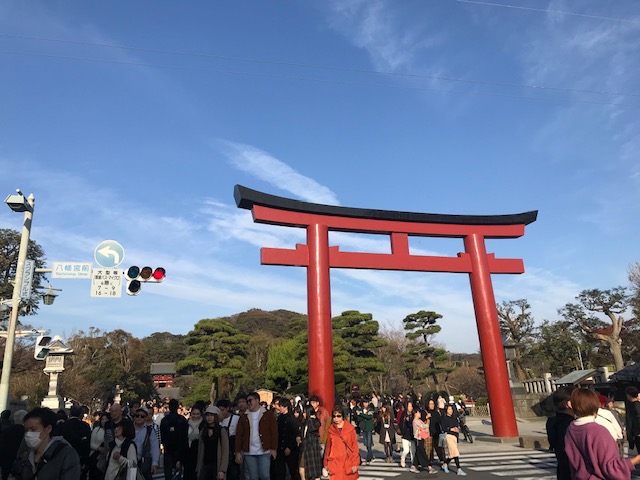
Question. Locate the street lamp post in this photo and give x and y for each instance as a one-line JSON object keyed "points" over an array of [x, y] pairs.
{"points": [[17, 203]]}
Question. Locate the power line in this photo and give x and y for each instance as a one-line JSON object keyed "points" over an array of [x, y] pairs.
{"points": [[558, 12], [324, 67], [319, 80]]}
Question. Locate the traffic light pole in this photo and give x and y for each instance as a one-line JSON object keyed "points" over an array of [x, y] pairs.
{"points": [[15, 306]]}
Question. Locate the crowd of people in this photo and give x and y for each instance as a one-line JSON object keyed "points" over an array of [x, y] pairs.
{"points": [[429, 429], [294, 439], [289, 439], [587, 434]]}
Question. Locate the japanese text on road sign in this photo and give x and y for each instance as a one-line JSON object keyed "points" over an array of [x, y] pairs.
{"points": [[106, 283]]}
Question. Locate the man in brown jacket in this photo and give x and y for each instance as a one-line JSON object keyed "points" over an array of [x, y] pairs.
{"points": [[256, 439]]}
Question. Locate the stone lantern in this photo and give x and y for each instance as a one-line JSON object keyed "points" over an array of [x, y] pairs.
{"points": [[54, 366]]}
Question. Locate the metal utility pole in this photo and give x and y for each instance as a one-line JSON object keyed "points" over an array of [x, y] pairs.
{"points": [[27, 207]]}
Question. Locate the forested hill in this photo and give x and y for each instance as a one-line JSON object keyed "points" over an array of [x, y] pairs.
{"points": [[277, 323]]}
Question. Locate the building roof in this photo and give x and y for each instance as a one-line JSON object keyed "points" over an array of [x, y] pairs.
{"points": [[169, 392], [630, 373], [576, 377], [163, 368]]}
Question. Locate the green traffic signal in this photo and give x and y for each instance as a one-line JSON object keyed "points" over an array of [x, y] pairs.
{"points": [[133, 273]]}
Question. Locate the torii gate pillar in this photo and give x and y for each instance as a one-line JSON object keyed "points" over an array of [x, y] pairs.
{"points": [[321, 379], [318, 257]]}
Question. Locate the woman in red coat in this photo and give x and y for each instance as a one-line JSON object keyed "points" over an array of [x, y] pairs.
{"points": [[341, 456]]}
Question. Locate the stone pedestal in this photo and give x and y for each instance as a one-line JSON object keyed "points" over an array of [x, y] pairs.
{"points": [[55, 403]]}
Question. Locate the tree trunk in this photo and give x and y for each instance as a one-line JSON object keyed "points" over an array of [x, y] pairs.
{"points": [[616, 352]]}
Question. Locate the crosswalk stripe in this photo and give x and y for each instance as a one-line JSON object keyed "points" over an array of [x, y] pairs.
{"points": [[471, 458], [548, 477], [512, 466], [499, 461], [381, 473], [522, 465], [488, 465], [524, 453], [510, 473], [365, 477]]}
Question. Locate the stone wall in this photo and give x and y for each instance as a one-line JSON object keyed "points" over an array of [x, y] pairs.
{"points": [[532, 405]]}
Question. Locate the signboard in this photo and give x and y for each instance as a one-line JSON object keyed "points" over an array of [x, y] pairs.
{"points": [[71, 270], [106, 283], [27, 279], [109, 254]]}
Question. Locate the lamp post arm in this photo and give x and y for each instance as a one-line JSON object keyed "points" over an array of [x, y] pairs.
{"points": [[15, 302]]}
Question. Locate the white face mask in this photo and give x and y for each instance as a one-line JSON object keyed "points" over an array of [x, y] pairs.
{"points": [[32, 439]]}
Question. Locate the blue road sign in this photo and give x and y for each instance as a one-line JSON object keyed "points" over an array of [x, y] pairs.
{"points": [[109, 254]]}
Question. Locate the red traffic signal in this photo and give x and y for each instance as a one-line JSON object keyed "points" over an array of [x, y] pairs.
{"points": [[136, 275], [159, 274]]}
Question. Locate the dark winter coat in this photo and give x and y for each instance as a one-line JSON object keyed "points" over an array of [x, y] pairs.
{"points": [[59, 462], [311, 452], [387, 426]]}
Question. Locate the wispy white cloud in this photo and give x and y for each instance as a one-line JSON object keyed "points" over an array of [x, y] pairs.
{"points": [[392, 40], [597, 142], [267, 168]]}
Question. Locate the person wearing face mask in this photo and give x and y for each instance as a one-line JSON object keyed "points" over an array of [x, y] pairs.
{"points": [[47, 457]]}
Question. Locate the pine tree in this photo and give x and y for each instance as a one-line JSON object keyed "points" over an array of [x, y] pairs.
{"points": [[360, 334], [421, 327], [217, 356]]}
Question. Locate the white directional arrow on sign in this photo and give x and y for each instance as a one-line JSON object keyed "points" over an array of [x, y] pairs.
{"points": [[109, 252]]}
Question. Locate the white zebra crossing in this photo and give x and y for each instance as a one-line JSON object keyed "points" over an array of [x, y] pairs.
{"points": [[375, 471], [380, 471], [522, 465]]}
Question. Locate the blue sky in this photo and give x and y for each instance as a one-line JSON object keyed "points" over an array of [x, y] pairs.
{"points": [[418, 105]]}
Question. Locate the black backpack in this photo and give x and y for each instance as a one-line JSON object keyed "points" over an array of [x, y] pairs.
{"points": [[173, 431], [78, 434]]}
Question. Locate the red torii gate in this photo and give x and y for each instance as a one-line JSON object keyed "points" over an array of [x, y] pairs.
{"points": [[319, 257]]}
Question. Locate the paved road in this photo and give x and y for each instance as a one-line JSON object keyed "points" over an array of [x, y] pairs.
{"points": [[479, 463], [522, 465]]}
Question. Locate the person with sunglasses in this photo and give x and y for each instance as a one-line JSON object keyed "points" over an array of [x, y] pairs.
{"points": [[341, 455], [147, 445], [256, 439]]}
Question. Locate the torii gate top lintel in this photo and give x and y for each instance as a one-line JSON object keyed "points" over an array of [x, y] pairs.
{"points": [[298, 213]]}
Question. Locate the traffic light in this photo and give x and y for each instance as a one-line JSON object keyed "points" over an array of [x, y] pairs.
{"points": [[136, 275], [42, 347]]}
